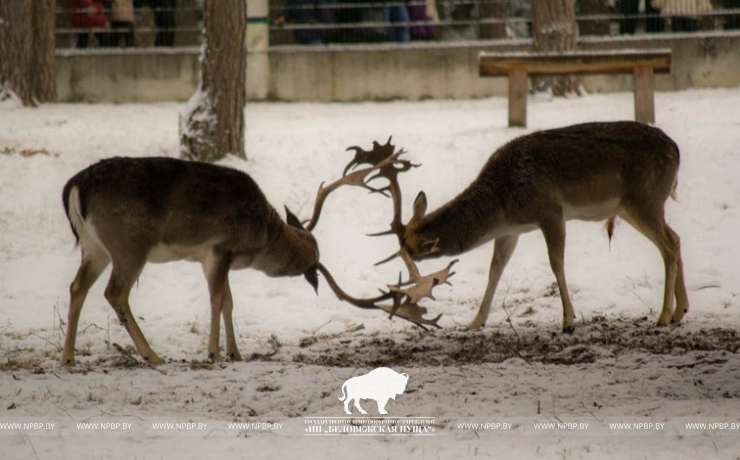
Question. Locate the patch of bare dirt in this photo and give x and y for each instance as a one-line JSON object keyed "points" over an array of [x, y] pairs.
{"points": [[593, 339]]}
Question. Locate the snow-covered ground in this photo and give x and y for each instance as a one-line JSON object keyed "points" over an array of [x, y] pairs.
{"points": [[299, 348]]}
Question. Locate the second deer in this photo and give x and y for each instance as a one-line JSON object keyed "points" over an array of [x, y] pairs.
{"points": [[593, 172]]}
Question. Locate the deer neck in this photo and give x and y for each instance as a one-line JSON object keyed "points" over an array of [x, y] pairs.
{"points": [[471, 219]]}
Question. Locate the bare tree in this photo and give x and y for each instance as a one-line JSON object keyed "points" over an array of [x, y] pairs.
{"points": [[212, 125], [496, 11], [554, 30], [27, 49]]}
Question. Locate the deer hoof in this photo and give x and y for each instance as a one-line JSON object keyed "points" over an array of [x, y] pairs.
{"points": [[154, 360], [664, 321], [475, 324], [570, 329]]}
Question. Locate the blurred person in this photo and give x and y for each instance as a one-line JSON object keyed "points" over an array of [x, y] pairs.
{"points": [[304, 12], [421, 15], [88, 16], [684, 14], [399, 15], [122, 22], [732, 21], [631, 10], [357, 21], [164, 18], [592, 17]]}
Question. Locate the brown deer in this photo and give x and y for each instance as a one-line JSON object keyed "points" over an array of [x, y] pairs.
{"points": [[130, 211], [593, 172]]}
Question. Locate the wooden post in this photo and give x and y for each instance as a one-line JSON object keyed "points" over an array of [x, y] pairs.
{"points": [[644, 95], [518, 98]]}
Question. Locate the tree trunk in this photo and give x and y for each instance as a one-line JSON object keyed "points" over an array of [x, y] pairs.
{"points": [[493, 10], [27, 49], [212, 125], [554, 30]]}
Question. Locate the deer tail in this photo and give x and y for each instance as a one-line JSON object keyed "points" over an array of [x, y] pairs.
{"points": [[610, 229]]}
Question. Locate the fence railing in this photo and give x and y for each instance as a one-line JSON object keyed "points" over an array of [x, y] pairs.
{"points": [[317, 22], [179, 23], [142, 23]]}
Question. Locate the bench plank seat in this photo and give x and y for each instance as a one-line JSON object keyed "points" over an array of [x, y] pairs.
{"points": [[518, 66]]}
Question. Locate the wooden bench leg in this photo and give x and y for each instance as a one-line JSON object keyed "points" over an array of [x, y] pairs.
{"points": [[644, 95], [518, 98]]}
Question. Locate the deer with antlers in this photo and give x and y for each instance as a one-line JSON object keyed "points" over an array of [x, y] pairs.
{"points": [[593, 172], [131, 211]]}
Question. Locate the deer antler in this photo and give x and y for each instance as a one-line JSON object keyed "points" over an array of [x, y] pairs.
{"points": [[422, 284], [381, 158], [409, 311], [389, 171], [373, 157], [385, 162]]}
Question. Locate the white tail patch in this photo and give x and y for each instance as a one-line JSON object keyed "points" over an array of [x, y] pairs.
{"points": [[74, 210]]}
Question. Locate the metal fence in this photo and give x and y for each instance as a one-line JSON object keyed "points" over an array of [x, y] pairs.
{"points": [[317, 22], [142, 23], [179, 23]]}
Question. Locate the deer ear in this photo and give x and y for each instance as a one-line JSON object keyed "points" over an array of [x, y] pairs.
{"points": [[420, 206], [292, 219]]}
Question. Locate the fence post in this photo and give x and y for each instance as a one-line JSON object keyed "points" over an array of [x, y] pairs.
{"points": [[258, 44]]}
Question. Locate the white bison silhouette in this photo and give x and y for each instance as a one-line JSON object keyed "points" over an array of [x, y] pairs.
{"points": [[381, 385]]}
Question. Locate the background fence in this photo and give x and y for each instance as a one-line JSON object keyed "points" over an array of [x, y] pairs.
{"points": [[314, 22], [364, 60], [162, 23], [179, 23]]}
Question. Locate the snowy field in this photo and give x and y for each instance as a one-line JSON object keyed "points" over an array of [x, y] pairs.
{"points": [[299, 348]]}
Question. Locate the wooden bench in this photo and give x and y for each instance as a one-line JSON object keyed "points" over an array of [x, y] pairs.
{"points": [[518, 66]]}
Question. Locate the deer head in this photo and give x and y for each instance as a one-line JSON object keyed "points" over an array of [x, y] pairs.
{"points": [[311, 272]]}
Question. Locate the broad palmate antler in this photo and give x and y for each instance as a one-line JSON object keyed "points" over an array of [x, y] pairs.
{"points": [[404, 296]]}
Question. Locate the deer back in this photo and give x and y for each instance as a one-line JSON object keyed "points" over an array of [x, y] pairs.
{"points": [[171, 209], [585, 171]]}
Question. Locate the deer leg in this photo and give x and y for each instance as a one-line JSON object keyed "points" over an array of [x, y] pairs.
{"points": [[653, 226], [117, 293], [232, 350], [682, 297], [554, 232], [216, 269], [502, 250], [94, 261]]}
